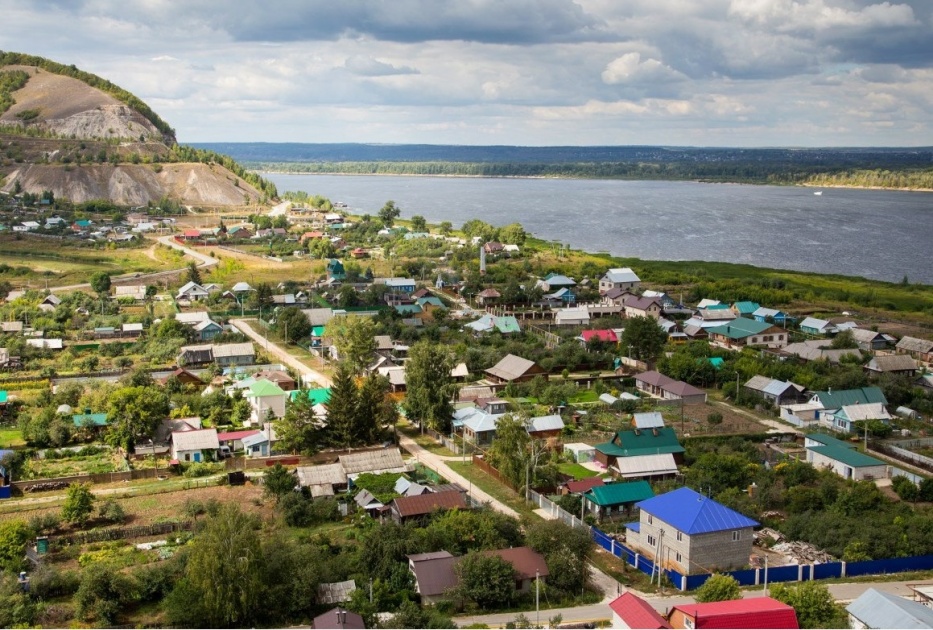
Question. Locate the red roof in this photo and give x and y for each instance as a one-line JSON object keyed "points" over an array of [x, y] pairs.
{"points": [[636, 612], [602, 335], [584, 485], [236, 435], [754, 612], [192, 233], [527, 562]]}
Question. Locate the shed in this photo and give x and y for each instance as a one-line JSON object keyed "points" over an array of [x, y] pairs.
{"points": [[616, 497], [335, 592], [581, 453], [376, 462]]}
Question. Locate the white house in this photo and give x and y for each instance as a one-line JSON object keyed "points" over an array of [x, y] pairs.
{"points": [[265, 396], [195, 446], [620, 278]]}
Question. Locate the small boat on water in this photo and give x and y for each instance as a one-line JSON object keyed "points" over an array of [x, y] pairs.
{"points": [[818, 193]]}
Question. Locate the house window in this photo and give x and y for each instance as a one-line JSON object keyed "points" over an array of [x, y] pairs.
{"points": [[649, 520], [187, 457], [688, 623], [652, 541], [678, 558], [680, 536], [736, 535]]}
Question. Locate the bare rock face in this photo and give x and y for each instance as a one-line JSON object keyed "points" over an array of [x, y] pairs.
{"points": [[136, 184], [93, 146]]}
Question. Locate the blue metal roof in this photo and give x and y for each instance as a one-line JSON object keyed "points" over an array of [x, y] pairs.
{"points": [[692, 513]]}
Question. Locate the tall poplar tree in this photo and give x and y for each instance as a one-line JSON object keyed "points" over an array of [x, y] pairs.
{"points": [[429, 386]]}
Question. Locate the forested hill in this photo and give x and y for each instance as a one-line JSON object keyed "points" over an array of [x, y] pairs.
{"points": [[890, 167]]}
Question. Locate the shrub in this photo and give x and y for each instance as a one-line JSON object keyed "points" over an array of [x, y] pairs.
{"points": [[112, 511], [48, 582], [906, 489], [79, 504], [718, 588], [44, 524], [714, 418], [201, 469]]}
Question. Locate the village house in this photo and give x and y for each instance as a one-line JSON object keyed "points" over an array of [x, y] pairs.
{"points": [[622, 278], [576, 316], [876, 609], [745, 308], [824, 451], [642, 307], [545, 427], [192, 292], [636, 453], [615, 499], [555, 281], [629, 611], [751, 613], [529, 565], [772, 316], [405, 509], [815, 326], [741, 333], [339, 619], [136, 292], [898, 364], [660, 386], [920, 349], [323, 480], [265, 397], [514, 369], [228, 354], [818, 350], [199, 445], [435, 575], [774, 391], [870, 340], [846, 418], [691, 533]]}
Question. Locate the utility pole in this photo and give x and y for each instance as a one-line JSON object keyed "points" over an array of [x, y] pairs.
{"points": [[537, 598]]}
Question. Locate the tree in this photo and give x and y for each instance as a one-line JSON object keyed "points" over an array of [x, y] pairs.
{"points": [[343, 407], [446, 227], [718, 588], [135, 412], [194, 274], [13, 538], [103, 593], [225, 574], [906, 489], [374, 407], [419, 224], [815, 605], [510, 451], [300, 430], [389, 213], [79, 504], [644, 338], [513, 234], [100, 282], [486, 579], [429, 385], [844, 341], [278, 482], [262, 296], [565, 550], [292, 324], [354, 337]]}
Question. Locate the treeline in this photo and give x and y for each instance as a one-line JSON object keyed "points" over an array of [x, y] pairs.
{"points": [[12, 59], [10, 81], [750, 173], [877, 178]]}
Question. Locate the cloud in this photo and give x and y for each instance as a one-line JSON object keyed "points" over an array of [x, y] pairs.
{"points": [[371, 67], [818, 15], [631, 69]]}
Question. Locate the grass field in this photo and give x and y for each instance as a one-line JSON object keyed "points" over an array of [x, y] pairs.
{"points": [[11, 437], [575, 470]]}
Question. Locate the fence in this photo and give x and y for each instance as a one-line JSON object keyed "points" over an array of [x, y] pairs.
{"points": [[904, 455], [755, 577], [57, 483], [556, 511], [120, 533]]}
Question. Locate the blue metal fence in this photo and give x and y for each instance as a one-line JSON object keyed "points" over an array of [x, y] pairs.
{"points": [[752, 577]]}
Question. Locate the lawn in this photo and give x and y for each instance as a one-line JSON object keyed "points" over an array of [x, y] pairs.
{"points": [[493, 487], [575, 470], [11, 437]]}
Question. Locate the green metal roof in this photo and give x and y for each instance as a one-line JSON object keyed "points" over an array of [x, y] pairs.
{"points": [[90, 419], [828, 440], [317, 331], [861, 396], [3, 396], [264, 387], [740, 328], [632, 444], [716, 362], [746, 308], [618, 493], [848, 456]]}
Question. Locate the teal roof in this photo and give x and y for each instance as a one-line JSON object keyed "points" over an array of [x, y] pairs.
{"points": [[317, 331], [717, 307], [618, 493], [746, 308], [845, 397], [435, 301], [90, 419], [3, 396], [320, 395], [716, 362], [408, 309], [828, 440], [740, 328], [631, 443], [848, 456]]}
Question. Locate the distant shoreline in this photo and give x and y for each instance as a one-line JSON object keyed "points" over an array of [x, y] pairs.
{"points": [[623, 179]]}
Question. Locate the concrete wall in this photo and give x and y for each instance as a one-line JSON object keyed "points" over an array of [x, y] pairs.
{"points": [[699, 553]]}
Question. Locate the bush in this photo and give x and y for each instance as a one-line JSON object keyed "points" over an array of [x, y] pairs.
{"points": [[718, 588], [79, 504], [112, 511], [906, 489], [44, 524], [47, 582], [714, 418], [201, 469]]}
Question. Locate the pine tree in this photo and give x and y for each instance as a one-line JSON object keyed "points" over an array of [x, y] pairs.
{"points": [[376, 409], [343, 408]]}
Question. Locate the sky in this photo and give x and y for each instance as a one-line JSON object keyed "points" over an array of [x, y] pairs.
{"points": [[741, 73]]}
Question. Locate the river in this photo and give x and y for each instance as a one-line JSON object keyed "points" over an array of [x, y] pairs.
{"points": [[883, 235]]}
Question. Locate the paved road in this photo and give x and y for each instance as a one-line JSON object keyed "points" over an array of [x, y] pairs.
{"points": [[307, 374]]}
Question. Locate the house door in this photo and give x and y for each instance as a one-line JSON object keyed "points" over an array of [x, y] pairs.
{"points": [[197, 457]]}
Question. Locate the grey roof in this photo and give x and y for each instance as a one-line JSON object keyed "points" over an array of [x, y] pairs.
{"points": [[511, 367], [199, 439], [817, 324], [913, 344], [876, 609], [649, 420], [865, 336], [324, 474], [546, 423], [193, 317], [892, 363], [482, 421], [646, 465], [234, 350], [383, 460], [623, 274], [318, 316], [609, 399], [335, 592], [367, 500]]}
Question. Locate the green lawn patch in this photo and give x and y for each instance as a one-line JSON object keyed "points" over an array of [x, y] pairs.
{"points": [[11, 437], [493, 487], [576, 470]]}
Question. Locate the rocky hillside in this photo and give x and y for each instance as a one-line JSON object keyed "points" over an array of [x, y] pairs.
{"points": [[84, 138]]}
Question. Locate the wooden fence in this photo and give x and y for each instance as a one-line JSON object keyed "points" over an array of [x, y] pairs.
{"points": [[58, 483], [120, 533]]}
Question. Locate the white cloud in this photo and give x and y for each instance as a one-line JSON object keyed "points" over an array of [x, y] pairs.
{"points": [[793, 15], [630, 68]]}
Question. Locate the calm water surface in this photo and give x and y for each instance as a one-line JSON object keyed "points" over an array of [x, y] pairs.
{"points": [[883, 235]]}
